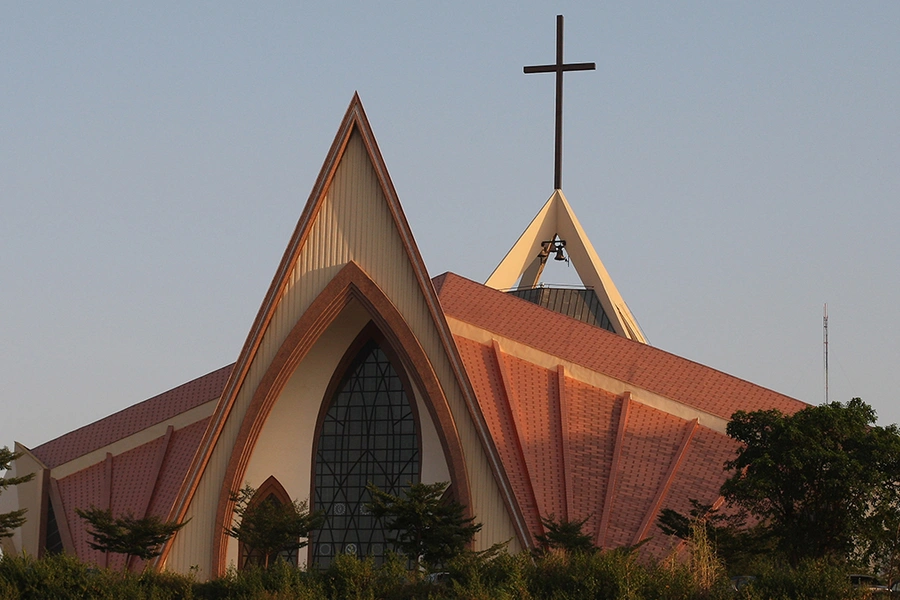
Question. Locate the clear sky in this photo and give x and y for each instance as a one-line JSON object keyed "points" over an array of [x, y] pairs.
{"points": [[735, 165]]}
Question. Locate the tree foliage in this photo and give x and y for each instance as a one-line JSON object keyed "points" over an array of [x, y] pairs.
{"points": [[271, 527], [565, 535], [425, 525], [127, 535], [16, 518], [824, 482], [736, 543]]}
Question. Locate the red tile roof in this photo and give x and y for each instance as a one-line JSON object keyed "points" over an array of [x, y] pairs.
{"points": [[639, 364], [83, 489], [133, 419], [140, 482], [181, 450], [651, 440], [560, 457], [577, 451], [699, 476], [592, 427], [535, 399], [484, 373]]}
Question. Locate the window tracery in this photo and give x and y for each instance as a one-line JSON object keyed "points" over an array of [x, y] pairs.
{"points": [[368, 434]]}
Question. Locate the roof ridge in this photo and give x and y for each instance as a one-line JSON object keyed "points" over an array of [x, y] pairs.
{"points": [[650, 368], [128, 421]]}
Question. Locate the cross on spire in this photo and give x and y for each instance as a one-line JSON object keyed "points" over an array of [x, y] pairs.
{"points": [[559, 68]]}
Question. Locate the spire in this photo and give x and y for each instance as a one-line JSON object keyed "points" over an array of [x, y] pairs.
{"points": [[522, 266]]}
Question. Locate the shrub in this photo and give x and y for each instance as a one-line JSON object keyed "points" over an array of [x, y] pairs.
{"points": [[810, 580], [280, 581], [494, 575], [352, 578], [63, 577], [565, 535], [671, 580], [598, 575], [270, 526], [58, 576], [488, 575]]}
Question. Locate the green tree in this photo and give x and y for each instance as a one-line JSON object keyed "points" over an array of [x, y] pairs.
{"points": [[426, 526], [565, 535], [271, 527], [127, 535], [824, 482], [15, 518]]}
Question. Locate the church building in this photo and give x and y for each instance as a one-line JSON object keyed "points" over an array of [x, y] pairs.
{"points": [[361, 366]]}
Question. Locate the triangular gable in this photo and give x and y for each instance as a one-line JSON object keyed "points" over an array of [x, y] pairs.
{"points": [[352, 240], [524, 262]]}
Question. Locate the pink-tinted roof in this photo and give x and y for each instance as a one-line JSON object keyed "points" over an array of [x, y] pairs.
{"points": [[181, 451], [639, 364], [133, 419], [576, 452], [83, 489], [484, 373], [140, 482], [648, 450], [700, 476], [591, 441]]}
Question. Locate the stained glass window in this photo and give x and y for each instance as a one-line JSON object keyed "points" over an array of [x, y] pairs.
{"points": [[368, 434]]}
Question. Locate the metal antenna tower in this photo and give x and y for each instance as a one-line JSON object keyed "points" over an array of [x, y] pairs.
{"points": [[825, 342]]}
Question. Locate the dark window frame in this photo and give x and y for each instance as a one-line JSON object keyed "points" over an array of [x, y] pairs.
{"points": [[369, 334]]}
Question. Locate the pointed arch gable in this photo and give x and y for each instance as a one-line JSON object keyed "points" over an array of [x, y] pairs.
{"points": [[354, 121], [271, 486], [351, 283], [355, 126]]}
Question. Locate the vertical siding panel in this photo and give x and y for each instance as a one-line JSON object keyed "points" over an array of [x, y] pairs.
{"points": [[328, 223]]}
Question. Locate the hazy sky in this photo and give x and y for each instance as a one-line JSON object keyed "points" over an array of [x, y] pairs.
{"points": [[735, 165]]}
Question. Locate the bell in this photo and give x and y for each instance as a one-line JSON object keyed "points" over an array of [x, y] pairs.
{"points": [[559, 254]]}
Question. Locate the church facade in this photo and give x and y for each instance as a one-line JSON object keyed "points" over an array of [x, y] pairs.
{"points": [[360, 367]]}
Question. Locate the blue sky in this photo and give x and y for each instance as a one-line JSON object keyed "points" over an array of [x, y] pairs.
{"points": [[735, 165]]}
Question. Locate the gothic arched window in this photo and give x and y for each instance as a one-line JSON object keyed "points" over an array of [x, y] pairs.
{"points": [[368, 434], [270, 491]]}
